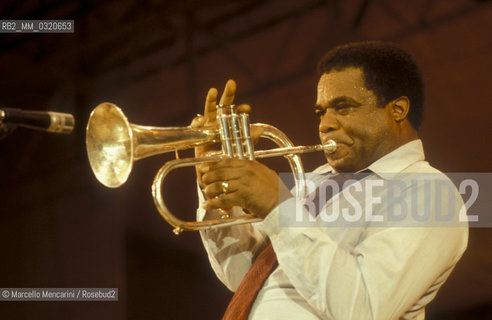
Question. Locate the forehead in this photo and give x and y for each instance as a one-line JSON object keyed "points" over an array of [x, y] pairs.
{"points": [[348, 82]]}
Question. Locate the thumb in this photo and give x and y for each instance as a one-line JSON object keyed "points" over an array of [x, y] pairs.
{"points": [[256, 133]]}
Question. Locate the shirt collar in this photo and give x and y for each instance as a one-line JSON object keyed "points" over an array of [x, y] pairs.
{"points": [[394, 162], [399, 159]]}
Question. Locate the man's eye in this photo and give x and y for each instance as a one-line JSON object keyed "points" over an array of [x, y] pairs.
{"points": [[343, 108], [319, 112]]}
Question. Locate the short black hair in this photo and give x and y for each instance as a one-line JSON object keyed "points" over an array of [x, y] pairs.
{"points": [[389, 71]]}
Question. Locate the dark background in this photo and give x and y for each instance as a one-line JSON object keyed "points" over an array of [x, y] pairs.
{"points": [[156, 59]]}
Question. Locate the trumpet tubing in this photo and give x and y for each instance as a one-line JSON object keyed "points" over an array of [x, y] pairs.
{"points": [[114, 144]]}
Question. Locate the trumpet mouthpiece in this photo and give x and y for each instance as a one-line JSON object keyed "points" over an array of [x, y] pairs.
{"points": [[329, 146]]}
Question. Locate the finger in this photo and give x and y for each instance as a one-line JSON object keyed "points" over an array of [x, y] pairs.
{"points": [[202, 168], [227, 97], [244, 108], [224, 201], [217, 189], [230, 163], [219, 175], [210, 106], [198, 121], [256, 133]]}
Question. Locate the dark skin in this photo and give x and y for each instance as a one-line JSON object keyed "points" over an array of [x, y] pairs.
{"points": [[245, 178], [349, 113]]}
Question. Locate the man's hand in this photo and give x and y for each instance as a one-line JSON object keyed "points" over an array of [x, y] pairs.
{"points": [[209, 119], [250, 185], [235, 182]]}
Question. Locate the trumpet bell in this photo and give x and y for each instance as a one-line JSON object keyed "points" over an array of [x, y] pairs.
{"points": [[109, 143]]}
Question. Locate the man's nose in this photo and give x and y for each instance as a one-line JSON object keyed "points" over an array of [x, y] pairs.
{"points": [[328, 123]]}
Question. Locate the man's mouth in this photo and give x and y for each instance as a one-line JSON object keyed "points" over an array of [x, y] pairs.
{"points": [[337, 141], [340, 152]]}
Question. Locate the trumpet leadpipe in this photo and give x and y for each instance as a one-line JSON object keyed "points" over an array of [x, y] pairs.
{"points": [[330, 146]]}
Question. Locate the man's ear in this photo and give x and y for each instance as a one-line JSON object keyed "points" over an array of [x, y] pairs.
{"points": [[399, 108]]}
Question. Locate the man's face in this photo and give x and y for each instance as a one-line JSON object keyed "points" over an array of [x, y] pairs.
{"points": [[349, 114]]}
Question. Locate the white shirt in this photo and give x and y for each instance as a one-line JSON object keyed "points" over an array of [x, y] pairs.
{"points": [[352, 272]]}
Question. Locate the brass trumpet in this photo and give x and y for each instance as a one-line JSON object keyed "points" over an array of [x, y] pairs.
{"points": [[113, 144]]}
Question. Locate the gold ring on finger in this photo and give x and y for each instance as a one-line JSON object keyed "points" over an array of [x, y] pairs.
{"points": [[225, 186]]}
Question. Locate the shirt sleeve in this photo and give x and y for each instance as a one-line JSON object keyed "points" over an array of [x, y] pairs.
{"points": [[230, 250], [387, 273]]}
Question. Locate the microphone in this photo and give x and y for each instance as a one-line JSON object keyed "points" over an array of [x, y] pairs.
{"points": [[50, 121]]}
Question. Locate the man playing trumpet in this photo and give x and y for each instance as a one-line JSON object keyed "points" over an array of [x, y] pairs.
{"points": [[370, 102]]}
